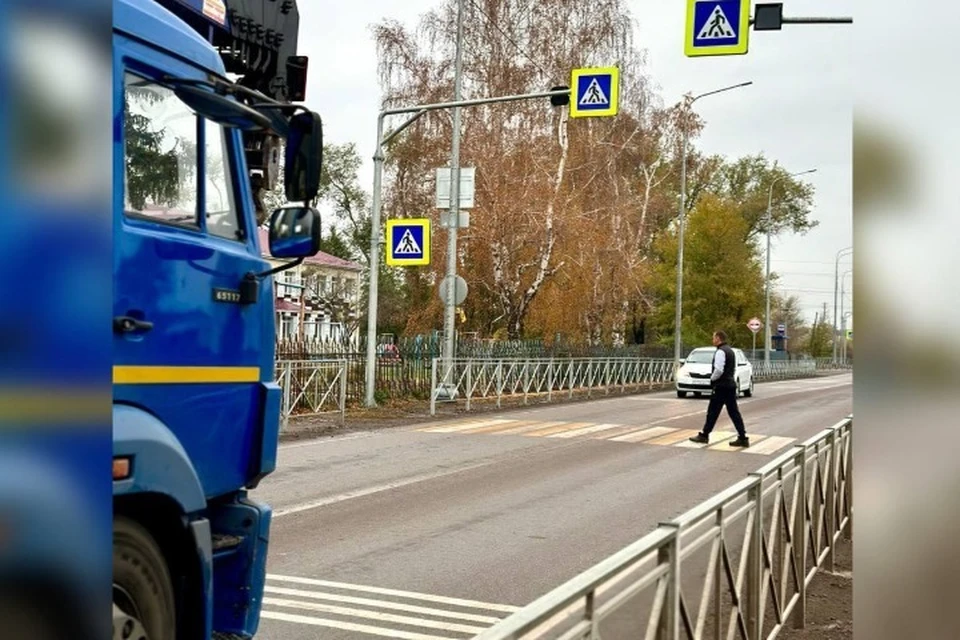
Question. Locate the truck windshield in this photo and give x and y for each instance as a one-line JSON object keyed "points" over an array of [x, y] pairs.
{"points": [[163, 173]]}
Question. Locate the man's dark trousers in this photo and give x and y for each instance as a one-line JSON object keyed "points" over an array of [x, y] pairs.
{"points": [[724, 397]]}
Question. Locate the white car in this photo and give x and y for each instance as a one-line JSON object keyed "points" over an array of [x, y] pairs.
{"points": [[693, 376]]}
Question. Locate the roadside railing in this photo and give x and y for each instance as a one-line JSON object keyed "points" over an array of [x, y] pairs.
{"points": [[546, 378], [782, 370], [312, 387], [828, 364], [787, 518], [480, 378]]}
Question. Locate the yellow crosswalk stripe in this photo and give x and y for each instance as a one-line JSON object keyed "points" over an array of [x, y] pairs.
{"points": [[662, 436], [724, 443], [717, 438], [566, 426], [501, 427], [644, 435], [463, 425], [770, 445], [673, 438], [585, 431]]}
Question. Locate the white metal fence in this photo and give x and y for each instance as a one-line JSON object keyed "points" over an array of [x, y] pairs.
{"points": [[312, 387], [748, 555], [545, 378]]}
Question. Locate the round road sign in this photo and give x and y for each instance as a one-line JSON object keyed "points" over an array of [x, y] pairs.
{"points": [[755, 325]]}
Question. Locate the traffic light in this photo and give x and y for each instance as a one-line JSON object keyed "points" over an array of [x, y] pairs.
{"points": [[561, 100]]}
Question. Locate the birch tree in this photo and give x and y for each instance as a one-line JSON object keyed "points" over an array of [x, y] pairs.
{"points": [[534, 167]]}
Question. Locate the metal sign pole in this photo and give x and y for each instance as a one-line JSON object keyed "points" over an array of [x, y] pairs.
{"points": [[375, 235]]}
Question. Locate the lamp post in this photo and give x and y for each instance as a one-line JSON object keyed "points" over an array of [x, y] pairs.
{"points": [[677, 337], [843, 317], [766, 315], [836, 278], [843, 356]]}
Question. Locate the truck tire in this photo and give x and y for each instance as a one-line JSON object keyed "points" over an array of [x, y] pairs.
{"points": [[142, 587]]}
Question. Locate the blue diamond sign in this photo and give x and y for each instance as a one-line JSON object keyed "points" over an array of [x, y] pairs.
{"points": [[596, 92], [717, 27]]}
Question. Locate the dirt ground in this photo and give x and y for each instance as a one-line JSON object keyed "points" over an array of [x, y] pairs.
{"points": [[829, 601]]}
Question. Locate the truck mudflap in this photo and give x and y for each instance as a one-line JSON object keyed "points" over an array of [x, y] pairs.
{"points": [[241, 532]]}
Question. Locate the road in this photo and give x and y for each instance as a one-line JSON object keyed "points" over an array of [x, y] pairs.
{"points": [[437, 530]]}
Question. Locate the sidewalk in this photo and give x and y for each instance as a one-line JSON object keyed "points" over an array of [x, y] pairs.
{"points": [[829, 601]]}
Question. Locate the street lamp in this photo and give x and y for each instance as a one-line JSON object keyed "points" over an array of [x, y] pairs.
{"points": [[766, 315], [843, 316], [677, 338], [843, 352], [836, 278]]}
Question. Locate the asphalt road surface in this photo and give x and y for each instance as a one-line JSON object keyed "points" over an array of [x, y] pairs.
{"points": [[439, 530]]}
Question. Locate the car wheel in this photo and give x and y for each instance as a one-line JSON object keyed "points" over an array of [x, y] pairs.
{"points": [[749, 392], [681, 394]]}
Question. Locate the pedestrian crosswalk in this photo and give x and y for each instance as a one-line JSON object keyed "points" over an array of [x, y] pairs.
{"points": [[651, 434], [367, 611]]}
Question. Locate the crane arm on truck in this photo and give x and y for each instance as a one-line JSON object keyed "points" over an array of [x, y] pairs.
{"points": [[257, 42]]}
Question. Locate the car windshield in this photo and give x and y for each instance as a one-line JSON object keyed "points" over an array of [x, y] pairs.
{"points": [[701, 356]]}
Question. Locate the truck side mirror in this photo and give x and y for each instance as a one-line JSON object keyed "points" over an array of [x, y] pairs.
{"points": [[294, 232], [304, 157]]}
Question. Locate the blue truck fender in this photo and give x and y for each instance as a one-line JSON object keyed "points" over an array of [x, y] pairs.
{"points": [[159, 462]]}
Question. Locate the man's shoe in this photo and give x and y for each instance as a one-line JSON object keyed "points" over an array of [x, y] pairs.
{"points": [[700, 439], [741, 442]]}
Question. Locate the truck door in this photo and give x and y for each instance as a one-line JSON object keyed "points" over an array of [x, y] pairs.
{"points": [[185, 350]]}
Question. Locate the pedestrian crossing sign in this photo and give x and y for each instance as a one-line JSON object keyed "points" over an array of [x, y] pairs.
{"points": [[596, 92], [408, 242], [717, 27]]}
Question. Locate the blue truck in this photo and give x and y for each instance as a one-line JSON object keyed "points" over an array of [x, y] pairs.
{"points": [[205, 112]]}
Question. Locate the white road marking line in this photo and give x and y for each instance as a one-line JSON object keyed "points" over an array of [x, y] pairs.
{"points": [[769, 445], [373, 615], [459, 426], [359, 493], [395, 592], [643, 434], [716, 438], [585, 431], [349, 626], [382, 604]]}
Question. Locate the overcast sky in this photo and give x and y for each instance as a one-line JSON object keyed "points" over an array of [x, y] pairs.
{"points": [[798, 111]]}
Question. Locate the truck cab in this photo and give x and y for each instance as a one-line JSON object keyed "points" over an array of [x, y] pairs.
{"points": [[196, 409]]}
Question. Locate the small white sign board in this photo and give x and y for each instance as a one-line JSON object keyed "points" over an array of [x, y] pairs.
{"points": [[467, 180]]}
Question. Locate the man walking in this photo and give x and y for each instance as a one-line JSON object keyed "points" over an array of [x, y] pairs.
{"points": [[724, 383]]}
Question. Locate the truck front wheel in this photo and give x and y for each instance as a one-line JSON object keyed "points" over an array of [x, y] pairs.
{"points": [[142, 588]]}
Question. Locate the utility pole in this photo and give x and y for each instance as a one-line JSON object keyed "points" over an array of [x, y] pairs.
{"points": [[824, 316], [560, 94], [678, 314], [449, 311], [836, 285]]}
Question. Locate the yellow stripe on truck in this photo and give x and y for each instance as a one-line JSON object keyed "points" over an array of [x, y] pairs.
{"points": [[183, 375]]}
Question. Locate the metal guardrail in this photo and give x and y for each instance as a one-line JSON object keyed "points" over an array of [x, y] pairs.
{"points": [[781, 370], [792, 512], [500, 377], [312, 387], [481, 378]]}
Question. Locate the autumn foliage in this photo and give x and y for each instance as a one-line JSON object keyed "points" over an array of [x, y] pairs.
{"points": [[574, 228]]}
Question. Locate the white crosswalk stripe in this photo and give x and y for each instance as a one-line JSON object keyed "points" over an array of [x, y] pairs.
{"points": [[394, 613], [655, 434]]}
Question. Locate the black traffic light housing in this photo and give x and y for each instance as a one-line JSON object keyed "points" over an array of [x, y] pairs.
{"points": [[769, 17], [561, 100]]}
